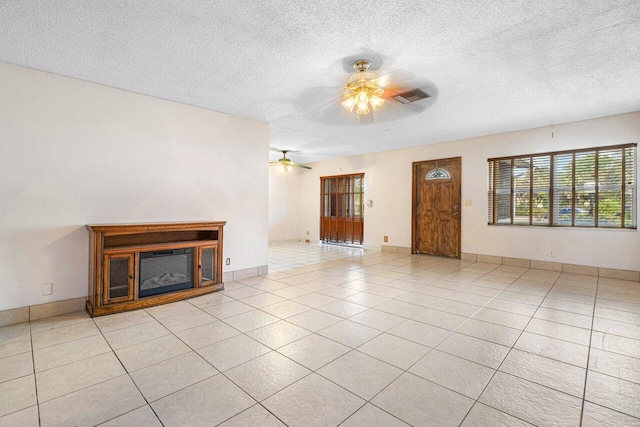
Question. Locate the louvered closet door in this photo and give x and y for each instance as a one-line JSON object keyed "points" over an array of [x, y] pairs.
{"points": [[341, 209]]}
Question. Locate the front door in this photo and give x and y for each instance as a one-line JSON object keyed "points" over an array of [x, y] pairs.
{"points": [[436, 207]]}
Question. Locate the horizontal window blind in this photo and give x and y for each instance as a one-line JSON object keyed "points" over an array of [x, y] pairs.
{"points": [[580, 188]]}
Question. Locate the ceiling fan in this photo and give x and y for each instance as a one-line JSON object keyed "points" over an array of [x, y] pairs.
{"points": [[366, 97], [287, 164]]}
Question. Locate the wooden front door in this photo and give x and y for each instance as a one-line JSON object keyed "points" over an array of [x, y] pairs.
{"points": [[341, 209], [436, 207]]}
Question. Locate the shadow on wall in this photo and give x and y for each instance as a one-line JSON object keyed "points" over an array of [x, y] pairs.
{"points": [[40, 255]]}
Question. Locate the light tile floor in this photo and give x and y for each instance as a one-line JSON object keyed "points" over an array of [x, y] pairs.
{"points": [[290, 255], [376, 339]]}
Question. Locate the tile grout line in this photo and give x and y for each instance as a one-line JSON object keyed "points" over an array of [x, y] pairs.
{"points": [[35, 381], [586, 375]]}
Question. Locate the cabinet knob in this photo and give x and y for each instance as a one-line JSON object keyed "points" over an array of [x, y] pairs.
{"points": [[132, 276]]}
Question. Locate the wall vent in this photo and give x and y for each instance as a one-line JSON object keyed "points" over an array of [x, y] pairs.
{"points": [[411, 96]]}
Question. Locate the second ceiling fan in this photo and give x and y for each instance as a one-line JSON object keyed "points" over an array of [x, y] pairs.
{"points": [[287, 164]]}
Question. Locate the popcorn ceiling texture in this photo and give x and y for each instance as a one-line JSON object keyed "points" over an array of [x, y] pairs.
{"points": [[497, 65]]}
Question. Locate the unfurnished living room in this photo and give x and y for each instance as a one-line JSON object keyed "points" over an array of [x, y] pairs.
{"points": [[324, 213]]}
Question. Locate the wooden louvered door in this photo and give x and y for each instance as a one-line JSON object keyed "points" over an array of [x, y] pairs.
{"points": [[436, 207], [341, 209]]}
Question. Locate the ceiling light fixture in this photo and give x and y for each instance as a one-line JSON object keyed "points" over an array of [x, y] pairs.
{"points": [[361, 90]]}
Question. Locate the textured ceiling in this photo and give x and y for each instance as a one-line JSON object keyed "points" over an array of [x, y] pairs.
{"points": [[496, 65]]}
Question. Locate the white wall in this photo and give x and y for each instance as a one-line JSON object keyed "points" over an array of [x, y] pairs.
{"points": [[75, 153], [388, 184], [284, 207]]}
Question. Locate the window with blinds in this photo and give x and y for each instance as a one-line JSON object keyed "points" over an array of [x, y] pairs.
{"points": [[593, 187]]}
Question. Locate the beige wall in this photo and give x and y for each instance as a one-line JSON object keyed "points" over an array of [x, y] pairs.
{"points": [[284, 207], [388, 185], [74, 153]]}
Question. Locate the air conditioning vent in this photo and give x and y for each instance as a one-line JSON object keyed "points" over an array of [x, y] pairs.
{"points": [[411, 96]]}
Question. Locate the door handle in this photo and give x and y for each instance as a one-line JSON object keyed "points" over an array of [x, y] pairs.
{"points": [[456, 212]]}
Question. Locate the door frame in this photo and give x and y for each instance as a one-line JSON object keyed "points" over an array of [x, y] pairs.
{"points": [[413, 202]]}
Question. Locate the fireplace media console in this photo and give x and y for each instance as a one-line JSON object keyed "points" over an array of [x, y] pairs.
{"points": [[141, 265]]}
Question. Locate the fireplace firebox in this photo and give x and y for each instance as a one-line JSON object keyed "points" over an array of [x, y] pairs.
{"points": [[165, 271]]}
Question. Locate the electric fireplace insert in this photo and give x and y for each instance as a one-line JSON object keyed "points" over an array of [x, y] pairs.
{"points": [[165, 271]]}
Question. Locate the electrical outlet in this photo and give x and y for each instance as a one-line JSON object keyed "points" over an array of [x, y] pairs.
{"points": [[552, 253], [386, 238], [228, 261], [46, 289]]}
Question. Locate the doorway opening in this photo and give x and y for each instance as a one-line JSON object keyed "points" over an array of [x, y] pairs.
{"points": [[342, 209], [436, 207]]}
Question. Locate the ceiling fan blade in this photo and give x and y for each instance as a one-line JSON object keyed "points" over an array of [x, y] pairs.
{"points": [[393, 110], [298, 165], [394, 78], [367, 119], [317, 98], [333, 114]]}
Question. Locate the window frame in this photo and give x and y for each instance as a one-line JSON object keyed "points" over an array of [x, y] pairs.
{"points": [[493, 190]]}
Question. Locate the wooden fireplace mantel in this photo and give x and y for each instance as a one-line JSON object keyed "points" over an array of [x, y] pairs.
{"points": [[114, 261]]}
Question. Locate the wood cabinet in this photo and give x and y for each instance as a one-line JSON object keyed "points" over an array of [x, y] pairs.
{"points": [[140, 265]]}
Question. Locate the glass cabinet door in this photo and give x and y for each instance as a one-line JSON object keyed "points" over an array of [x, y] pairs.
{"points": [[208, 265], [119, 276]]}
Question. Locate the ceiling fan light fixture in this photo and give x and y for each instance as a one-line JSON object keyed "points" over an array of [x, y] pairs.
{"points": [[349, 103], [361, 90], [376, 102], [363, 109], [362, 97], [285, 164], [285, 167]]}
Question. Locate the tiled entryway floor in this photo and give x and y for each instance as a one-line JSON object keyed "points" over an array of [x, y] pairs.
{"points": [[378, 340], [289, 255]]}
